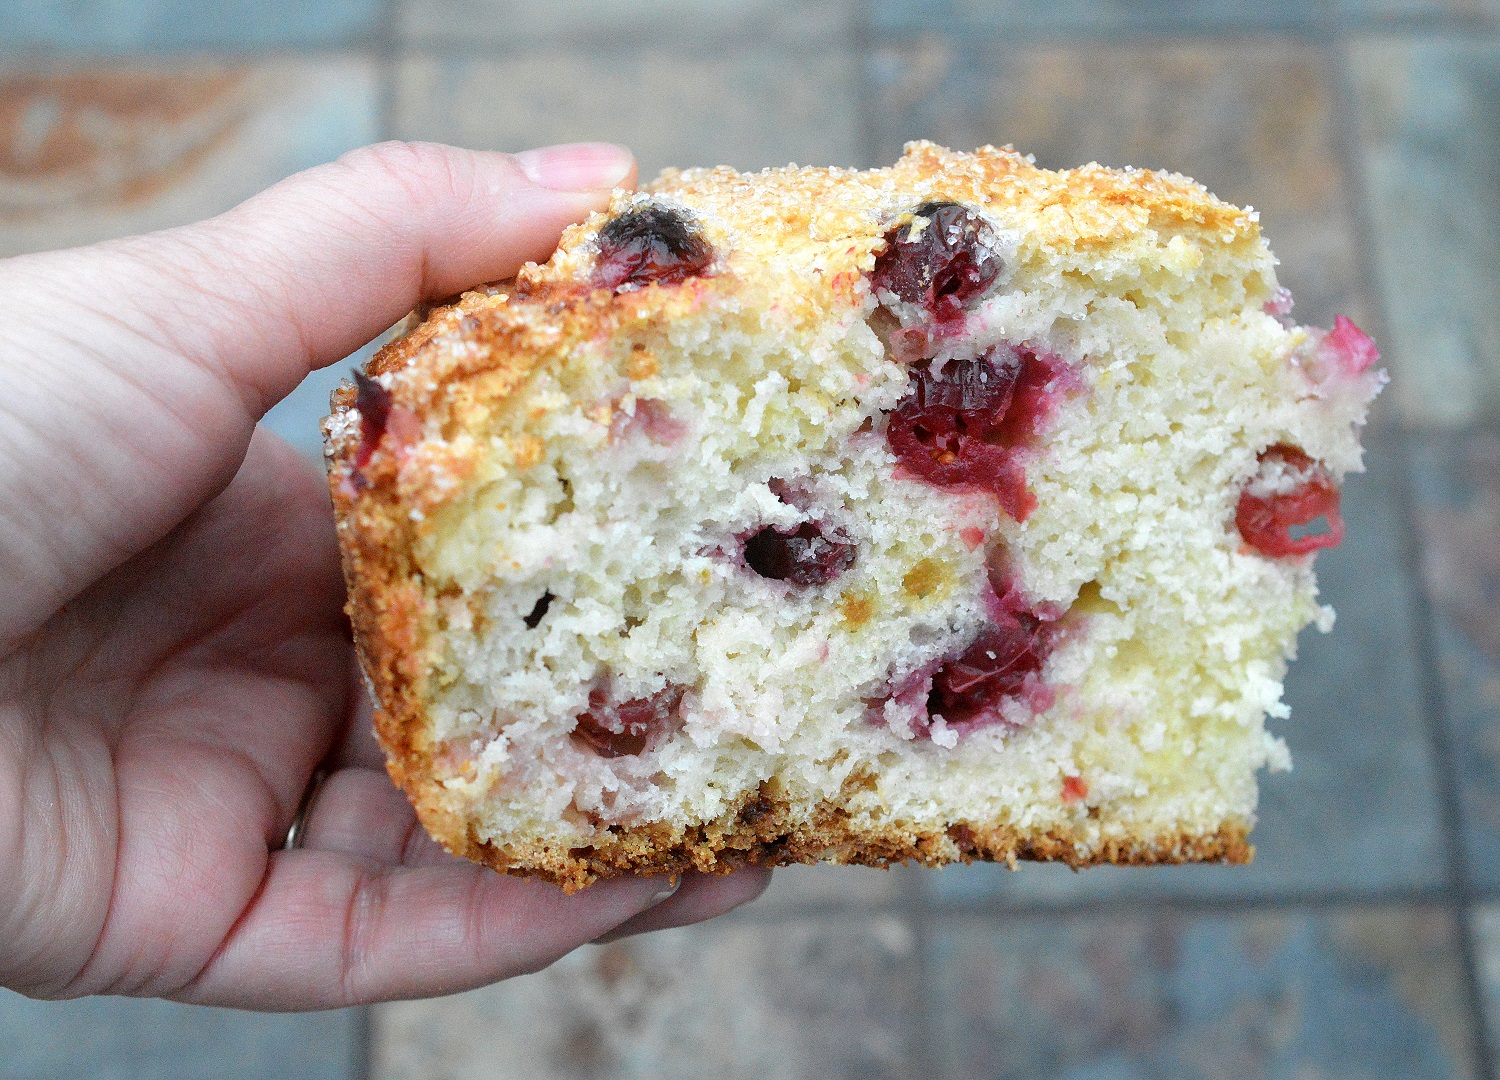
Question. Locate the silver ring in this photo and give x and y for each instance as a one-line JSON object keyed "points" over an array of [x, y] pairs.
{"points": [[297, 830]]}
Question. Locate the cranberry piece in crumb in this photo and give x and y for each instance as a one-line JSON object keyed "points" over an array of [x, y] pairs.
{"points": [[374, 404], [539, 610], [1350, 348], [945, 265], [1290, 490], [1074, 789], [972, 685], [653, 243], [802, 556], [959, 430], [1280, 305], [626, 728]]}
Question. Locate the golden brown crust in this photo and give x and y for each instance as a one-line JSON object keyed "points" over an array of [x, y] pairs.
{"points": [[766, 837], [464, 361]]}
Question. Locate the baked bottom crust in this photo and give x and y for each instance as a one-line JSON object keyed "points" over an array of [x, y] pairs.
{"points": [[721, 848]]}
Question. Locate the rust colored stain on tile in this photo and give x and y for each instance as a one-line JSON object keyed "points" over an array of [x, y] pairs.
{"points": [[121, 137]]}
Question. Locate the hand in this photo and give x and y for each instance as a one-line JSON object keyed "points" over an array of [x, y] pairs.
{"points": [[174, 663]]}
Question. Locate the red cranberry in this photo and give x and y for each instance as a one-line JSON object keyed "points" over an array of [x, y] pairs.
{"points": [[970, 687], [802, 556], [627, 728], [1074, 789], [1266, 519], [653, 243], [1349, 347], [374, 404], [944, 266], [959, 430]]}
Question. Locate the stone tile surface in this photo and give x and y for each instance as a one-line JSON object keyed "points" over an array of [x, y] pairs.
{"points": [[1456, 483], [154, 25], [126, 1039], [513, 26], [1429, 124], [92, 153], [1359, 812], [749, 107], [1375, 994], [1486, 930], [1062, 17], [801, 998], [1421, 12], [1253, 119], [296, 417], [797, 888]]}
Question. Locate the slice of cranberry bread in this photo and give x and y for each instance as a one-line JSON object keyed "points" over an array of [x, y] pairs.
{"points": [[959, 509]]}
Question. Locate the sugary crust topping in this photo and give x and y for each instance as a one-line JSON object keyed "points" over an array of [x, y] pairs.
{"points": [[467, 356]]}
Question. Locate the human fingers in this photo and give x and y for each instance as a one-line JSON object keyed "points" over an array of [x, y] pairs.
{"points": [[133, 372], [357, 747], [359, 812], [329, 929], [700, 897]]}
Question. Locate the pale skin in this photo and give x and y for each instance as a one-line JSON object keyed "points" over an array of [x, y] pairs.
{"points": [[174, 663]]}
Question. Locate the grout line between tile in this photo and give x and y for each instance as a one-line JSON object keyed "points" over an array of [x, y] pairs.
{"points": [[1461, 893], [1332, 22], [863, 45], [387, 54], [361, 1066], [917, 904]]}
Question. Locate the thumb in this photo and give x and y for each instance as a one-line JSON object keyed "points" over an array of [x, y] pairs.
{"points": [[322, 262], [132, 373]]}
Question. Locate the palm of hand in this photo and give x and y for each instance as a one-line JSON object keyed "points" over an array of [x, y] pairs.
{"points": [[174, 660], [179, 730]]}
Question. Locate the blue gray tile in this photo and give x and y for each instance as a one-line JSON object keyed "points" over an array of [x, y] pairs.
{"points": [[1359, 812], [832, 998], [800, 889], [1486, 931], [127, 1039], [117, 26], [297, 416], [1419, 13], [1456, 482], [92, 153], [1368, 994], [748, 107], [1428, 113], [1027, 18], [1254, 119], [513, 26]]}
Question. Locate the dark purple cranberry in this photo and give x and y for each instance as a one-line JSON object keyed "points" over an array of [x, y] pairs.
{"points": [[802, 556], [653, 243], [374, 404], [539, 610], [972, 686], [627, 728], [960, 429], [949, 263]]}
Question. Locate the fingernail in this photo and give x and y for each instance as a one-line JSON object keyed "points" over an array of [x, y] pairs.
{"points": [[667, 891], [577, 166]]}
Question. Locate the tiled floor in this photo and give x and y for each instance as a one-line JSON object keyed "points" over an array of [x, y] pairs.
{"points": [[1364, 942]]}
